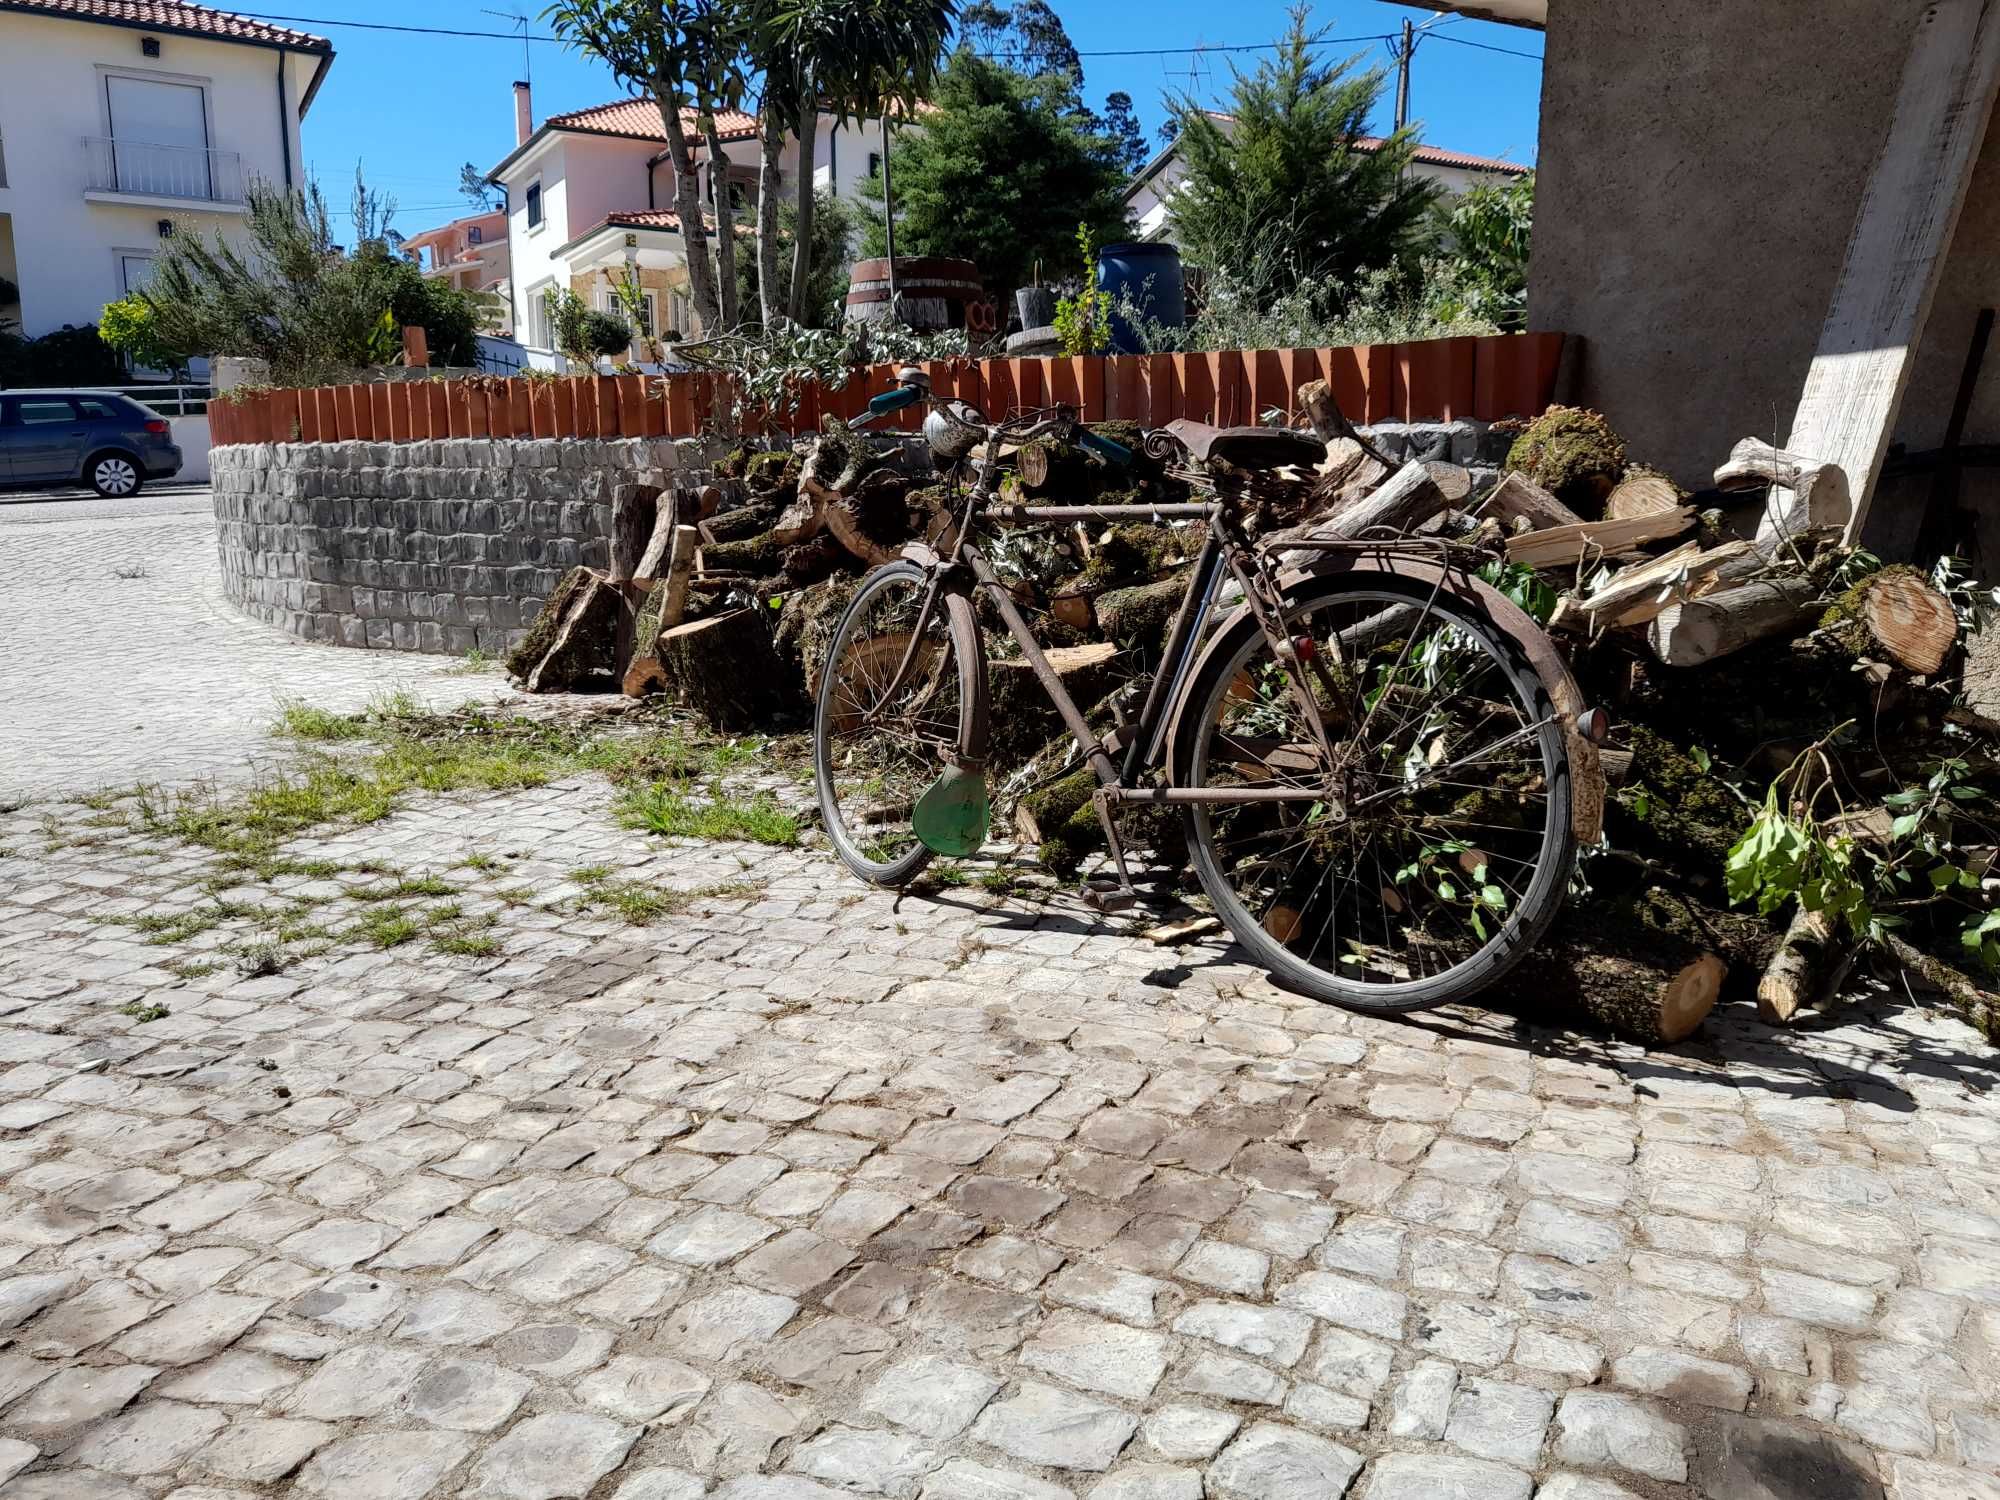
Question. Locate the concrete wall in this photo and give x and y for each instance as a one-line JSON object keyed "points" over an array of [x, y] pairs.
{"points": [[67, 250], [1694, 211], [438, 546]]}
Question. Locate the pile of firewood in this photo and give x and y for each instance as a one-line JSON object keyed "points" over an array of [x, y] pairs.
{"points": [[1727, 633]]}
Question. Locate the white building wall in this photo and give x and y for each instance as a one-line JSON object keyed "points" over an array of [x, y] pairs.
{"points": [[533, 249], [67, 250]]}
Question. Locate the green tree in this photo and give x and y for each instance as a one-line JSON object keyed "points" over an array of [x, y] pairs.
{"points": [[688, 55], [291, 298], [833, 231], [1001, 174], [855, 59], [1486, 234], [1284, 187]]}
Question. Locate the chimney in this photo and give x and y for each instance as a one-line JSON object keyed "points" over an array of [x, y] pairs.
{"points": [[524, 114]]}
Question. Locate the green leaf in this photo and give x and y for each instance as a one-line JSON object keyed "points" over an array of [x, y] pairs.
{"points": [[1493, 896], [1700, 757], [1447, 890], [1944, 877], [1906, 825]]}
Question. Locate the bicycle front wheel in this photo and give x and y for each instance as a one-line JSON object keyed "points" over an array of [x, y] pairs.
{"points": [[878, 743], [1451, 849]]}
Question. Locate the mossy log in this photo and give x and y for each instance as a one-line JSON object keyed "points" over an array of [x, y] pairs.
{"points": [[1141, 616], [572, 646], [773, 473], [1637, 966], [1019, 711], [1060, 820], [1895, 614], [738, 525], [806, 625], [1050, 468], [728, 671], [758, 556], [1573, 454], [811, 561], [1980, 1007]]}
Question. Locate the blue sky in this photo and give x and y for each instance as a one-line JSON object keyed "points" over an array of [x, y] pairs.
{"points": [[411, 108]]}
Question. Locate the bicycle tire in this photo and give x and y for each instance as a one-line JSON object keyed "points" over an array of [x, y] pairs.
{"points": [[1539, 905], [960, 637]]}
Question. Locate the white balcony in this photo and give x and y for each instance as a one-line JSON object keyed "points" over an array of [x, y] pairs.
{"points": [[138, 172]]}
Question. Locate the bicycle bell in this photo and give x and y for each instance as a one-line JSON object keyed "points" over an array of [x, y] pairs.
{"points": [[952, 429]]}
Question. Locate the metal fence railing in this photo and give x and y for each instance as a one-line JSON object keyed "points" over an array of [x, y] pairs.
{"points": [[169, 400], [153, 171]]}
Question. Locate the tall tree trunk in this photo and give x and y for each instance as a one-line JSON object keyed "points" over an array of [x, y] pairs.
{"points": [[802, 228], [687, 204], [725, 223], [771, 297]]}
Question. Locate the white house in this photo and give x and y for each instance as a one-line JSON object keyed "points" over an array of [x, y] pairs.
{"points": [[125, 121], [1455, 171], [590, 194]]}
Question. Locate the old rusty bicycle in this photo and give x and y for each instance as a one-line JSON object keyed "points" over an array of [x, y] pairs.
{"points": [[1375, 754]]}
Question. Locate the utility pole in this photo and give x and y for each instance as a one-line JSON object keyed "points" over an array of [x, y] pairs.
{"points": [[1403, 56]]}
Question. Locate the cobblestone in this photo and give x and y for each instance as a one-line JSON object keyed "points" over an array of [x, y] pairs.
{"points": [[817, 1193]]}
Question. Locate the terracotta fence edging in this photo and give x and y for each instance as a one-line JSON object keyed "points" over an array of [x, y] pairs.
{"points": [[1483, 378]]}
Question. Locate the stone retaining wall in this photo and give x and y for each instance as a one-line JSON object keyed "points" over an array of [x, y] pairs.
{"points": [[442, 545]]}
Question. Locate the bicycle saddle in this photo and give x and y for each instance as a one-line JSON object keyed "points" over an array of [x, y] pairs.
{"points": [[1248, 447]]}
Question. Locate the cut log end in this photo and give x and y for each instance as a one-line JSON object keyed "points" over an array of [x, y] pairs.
{"points": [[1799, 971], [1689, 996]]}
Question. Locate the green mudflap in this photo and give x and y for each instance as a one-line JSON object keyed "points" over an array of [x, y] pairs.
{"points": [[950, 818]]}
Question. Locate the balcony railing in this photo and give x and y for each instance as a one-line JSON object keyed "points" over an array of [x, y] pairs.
{"points": [[141, 169]]}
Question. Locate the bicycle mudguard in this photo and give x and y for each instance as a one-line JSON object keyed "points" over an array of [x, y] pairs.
{"points": [[951, 817], [1587, 788]]}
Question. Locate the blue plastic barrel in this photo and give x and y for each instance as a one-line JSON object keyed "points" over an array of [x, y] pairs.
{"points": [[1149, 274]]}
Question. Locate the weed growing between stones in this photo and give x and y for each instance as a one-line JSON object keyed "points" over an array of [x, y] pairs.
{"points": [[640, 904]]}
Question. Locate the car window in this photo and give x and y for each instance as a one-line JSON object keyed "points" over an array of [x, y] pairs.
{"points": [[99, 411], [29, 411]]}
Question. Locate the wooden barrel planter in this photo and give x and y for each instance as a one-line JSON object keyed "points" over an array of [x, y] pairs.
{"points": [[932, 291]]}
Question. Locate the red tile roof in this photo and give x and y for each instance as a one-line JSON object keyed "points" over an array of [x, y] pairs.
{"points": [[173, 16], [1438, 156], [640, 120]]}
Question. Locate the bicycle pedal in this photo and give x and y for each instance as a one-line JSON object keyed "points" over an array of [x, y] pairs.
{"points": [[1109, 899]]}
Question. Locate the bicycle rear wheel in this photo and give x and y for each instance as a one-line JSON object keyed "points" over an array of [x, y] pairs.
{"points": [[875, 751], [1455, 849]]}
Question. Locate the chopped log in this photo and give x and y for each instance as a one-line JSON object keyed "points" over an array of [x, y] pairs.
{"points": [[1567, 546], [802, 519], [1643, 492], [680, 567], [726, 669], [738, 525], [1141, 615], [1187, 930], [1704, 630], [1409, 498], [1616, 765], [1517, 498], [633, 508], [872, 523], [1639, 967], [659, 546], [757, 556], [1802, 969], [1047, 467], [1639, 593], [1343, 457], [1329, 422], [1019, 711], [810, 561], [573, 644], [1819, 498], [1898, 614]]}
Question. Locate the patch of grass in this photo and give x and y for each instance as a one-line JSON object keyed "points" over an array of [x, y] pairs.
{"points": [[257, 960], [465, 944], [641, 904], [386, 927], [590, 874], [163, 928], [480, 862], [102, 800], [106, 820], [141, 1012], [407, 886], [301, 721], [190, 968], [668, 811], [475, 663]]}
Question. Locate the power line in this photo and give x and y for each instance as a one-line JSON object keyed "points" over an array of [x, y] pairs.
{"points": [[1461, 41]]}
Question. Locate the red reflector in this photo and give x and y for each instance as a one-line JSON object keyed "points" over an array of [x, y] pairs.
{"points": [[1306, 647], [158, 428]]}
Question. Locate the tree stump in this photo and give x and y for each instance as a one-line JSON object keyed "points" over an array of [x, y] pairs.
{"points": [[726, 669], [1898, 615], [573, 644]]}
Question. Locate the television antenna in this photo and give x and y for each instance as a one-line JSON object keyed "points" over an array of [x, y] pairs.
{"points": [[520, 19]]}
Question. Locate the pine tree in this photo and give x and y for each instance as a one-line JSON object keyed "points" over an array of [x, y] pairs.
{"points": [[1279, 196]]}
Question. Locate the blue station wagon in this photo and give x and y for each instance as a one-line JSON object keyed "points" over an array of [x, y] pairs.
{"points": [[99, 438]]}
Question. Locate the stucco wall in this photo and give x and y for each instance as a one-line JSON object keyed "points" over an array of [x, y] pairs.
{"points": [[437, 546], [1694, 212], [66, 249]]}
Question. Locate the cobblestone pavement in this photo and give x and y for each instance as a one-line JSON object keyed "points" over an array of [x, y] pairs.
{"points": [[806, 1193], [120, 661]]}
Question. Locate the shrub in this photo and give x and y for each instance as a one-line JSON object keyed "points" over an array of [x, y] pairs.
{"points": [[69, 356]]}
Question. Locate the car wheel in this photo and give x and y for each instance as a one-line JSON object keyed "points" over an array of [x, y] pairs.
{"points": [[114, 476]]}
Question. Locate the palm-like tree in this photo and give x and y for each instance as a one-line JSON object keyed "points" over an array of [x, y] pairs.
{"points": [[853, 59]]}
